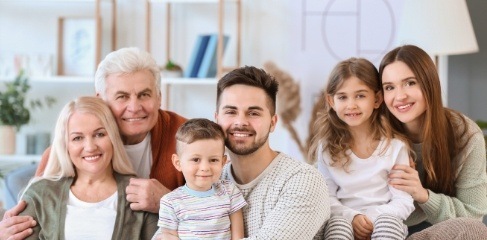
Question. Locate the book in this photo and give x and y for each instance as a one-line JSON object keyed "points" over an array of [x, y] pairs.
{"points": [[199, 50], [208, 64]]}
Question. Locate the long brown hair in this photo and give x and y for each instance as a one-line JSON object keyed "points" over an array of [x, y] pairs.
{"points": [[330, 132], [441, 142]]}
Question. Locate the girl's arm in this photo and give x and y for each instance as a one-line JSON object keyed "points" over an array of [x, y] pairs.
{"points": [[336, 207], [401, 204], [237, 225]]}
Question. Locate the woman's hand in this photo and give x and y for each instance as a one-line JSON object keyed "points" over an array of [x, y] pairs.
{"points": [[406, 178]]}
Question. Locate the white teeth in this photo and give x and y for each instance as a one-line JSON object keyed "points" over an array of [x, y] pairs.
{"points": [[92, 158], [133, 119], [404, 106], [240, 135]]}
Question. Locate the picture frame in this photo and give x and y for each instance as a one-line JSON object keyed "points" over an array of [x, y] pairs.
{"points": [[78, 46]]}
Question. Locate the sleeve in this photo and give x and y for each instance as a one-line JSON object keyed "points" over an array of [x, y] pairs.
{"points": [[471, 187], [337, 208], [150, 226], [167, 214], [401, 204], [30, 210], [302, 208], [237, 200]]}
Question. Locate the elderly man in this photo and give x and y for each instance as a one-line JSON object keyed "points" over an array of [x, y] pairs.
{"points": [[128, 80]]}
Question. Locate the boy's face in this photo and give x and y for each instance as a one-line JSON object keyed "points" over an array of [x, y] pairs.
{"points": [[201, 163]]}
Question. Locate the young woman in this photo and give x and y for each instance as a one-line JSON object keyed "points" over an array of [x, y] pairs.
{"points": [[81, 194], [450, 177], [356, 149]]}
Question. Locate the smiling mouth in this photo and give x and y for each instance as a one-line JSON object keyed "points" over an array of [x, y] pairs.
{"points": [[92, 158], [134, 119], [353, 114], [404, 107], [241, 134]]}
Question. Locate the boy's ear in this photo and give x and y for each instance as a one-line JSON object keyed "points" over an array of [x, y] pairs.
{"points": [[224, 159], [176, 162]]}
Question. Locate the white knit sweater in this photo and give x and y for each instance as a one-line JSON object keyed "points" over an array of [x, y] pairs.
{"points": [[288, 200]]}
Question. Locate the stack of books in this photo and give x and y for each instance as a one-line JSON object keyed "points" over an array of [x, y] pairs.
{"points": [[202, 63]]}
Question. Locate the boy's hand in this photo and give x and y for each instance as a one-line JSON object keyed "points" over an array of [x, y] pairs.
{"points": [[362, 227]]}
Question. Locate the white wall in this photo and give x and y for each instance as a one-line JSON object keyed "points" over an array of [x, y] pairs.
{"points": [[304, 37]]}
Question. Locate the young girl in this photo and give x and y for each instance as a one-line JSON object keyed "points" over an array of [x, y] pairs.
{"points": [[450, 180], [356, 150]]}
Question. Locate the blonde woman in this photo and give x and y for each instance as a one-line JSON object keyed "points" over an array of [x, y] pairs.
{"points": [[81, 194]]}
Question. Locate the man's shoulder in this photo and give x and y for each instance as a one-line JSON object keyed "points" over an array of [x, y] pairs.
{"points": [[172, 116], [292, 165]]}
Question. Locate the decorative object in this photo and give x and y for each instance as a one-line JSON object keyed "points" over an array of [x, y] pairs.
{"points": [[14, 111], [440, 27], [78, 46], [171, 70], [7, 139]]}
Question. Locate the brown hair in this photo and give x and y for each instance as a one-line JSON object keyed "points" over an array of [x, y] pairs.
{"points": [[250, 76], [440, 139], [198, 129], [331, 133]]}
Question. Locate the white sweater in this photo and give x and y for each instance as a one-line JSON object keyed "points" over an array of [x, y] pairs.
{"points": [[288, 200], [364, 189]]}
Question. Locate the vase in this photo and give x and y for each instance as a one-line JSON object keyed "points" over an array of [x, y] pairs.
{"points": [[7, 139]]}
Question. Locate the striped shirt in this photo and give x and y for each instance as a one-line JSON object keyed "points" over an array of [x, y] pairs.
{"points": [[200, 215]]}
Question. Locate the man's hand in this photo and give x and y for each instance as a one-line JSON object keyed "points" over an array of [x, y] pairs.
{"points": [[362, 227], [16, 227], [145, 194]]}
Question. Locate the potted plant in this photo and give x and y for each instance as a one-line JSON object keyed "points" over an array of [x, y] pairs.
{"points": [[171, 70], [14, 111]]}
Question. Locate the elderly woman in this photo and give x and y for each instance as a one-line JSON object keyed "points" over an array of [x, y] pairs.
{"points": [[81, 194]]}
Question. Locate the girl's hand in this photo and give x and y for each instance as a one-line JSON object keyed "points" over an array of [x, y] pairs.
{"points": [[406, 178], [362, 227]]}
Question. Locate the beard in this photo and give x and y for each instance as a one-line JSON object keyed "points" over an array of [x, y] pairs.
{"points": [[241, 149]]}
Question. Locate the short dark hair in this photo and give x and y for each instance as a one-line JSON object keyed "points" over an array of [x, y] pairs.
{"points": [[250, 76], [198, 129]]}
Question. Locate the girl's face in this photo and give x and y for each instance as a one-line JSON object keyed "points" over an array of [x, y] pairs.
{"points": [[402, 94], [354, 102]]}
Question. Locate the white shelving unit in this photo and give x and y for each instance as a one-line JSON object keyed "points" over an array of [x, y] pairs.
{"points": [[168, 83]]}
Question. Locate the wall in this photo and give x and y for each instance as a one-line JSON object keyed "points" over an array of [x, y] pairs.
{"points": [[305, 38], [467, 75]]}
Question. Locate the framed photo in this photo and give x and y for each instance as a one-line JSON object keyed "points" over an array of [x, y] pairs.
{"points": [[78, 46]]}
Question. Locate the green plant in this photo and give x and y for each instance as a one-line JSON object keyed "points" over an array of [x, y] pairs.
{"points": [[171, 66], [13, 104]]}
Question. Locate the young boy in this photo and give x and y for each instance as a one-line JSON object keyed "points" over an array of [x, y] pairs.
{"points": [[206, 207]]}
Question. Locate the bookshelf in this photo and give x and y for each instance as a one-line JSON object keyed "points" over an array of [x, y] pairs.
{"points": [[220, 30]]}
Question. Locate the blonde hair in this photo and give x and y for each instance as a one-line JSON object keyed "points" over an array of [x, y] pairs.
{"points": [[59, 164], [331, 133]]}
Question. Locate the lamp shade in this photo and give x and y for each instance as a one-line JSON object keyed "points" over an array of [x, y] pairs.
{"points": [[440, 27]]}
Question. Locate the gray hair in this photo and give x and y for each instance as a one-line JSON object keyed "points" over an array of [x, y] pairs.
{"points": [[125, 60]]}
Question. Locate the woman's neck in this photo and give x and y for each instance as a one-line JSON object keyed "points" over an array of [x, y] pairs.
{"points": [[94, 188], [414, 130]]}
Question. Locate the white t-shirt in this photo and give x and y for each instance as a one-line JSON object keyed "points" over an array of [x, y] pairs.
{"points": [[364, 189], [140, 155], [98, 217]]}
